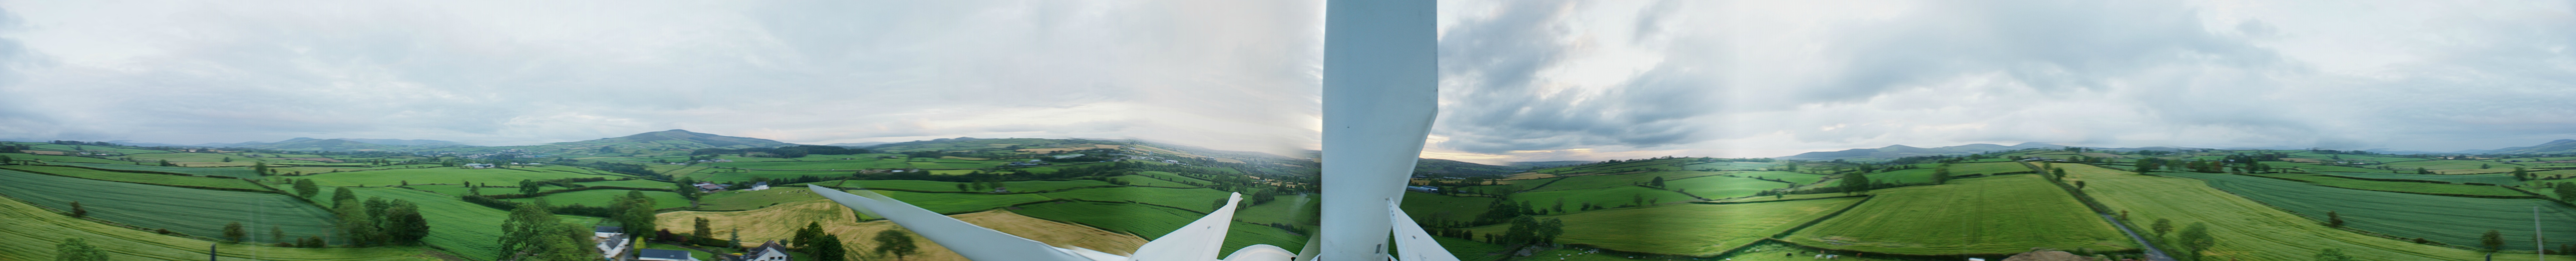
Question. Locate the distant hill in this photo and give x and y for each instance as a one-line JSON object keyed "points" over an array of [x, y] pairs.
{"points": [[1900, 151], [684, 139], [311, 144], [1454, 168], [1549, 164], [407, 142], [856, 144], [970, 143], [2553, 147]]}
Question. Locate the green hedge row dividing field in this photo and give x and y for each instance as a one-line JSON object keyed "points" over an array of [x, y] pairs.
{"points": [[1996, 215], [391, 177], [1687, 229], [237, 172], [2450, 220], [163, 179], [1717, 187], [192, 211]]}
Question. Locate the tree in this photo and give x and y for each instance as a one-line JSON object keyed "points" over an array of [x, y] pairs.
{"points": [[2493, 240], [688, 191], [635, 212], [233, 233], [403, 224], [2333, 254], [807, 237], [1941, 174], [78, 249], [2334, 219], [702, 231], [306, 188], [2196, 239], [276, 234], [1855, 183], [962, 187], [530, 187], [537, 235], [342, 195], [77, 211], [1549, 229], [2522, 174], [2055, 173], [355, 223], [2162, 226], [259, 168], [1657, 183], [896, 242]]}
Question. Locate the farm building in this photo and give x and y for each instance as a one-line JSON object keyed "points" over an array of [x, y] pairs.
{"points": [[611, 241], [663, 255], [770, 251], [1423, 189], [710, 187], [764, 185]]}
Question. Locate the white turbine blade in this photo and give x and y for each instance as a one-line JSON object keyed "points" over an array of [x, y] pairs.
{"points": [[974, 242], [1262, 252], [1381, 91], [1411, 243], [1198, 241]]}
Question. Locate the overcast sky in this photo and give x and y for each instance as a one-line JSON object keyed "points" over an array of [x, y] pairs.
{"points": [[1522, 80]]}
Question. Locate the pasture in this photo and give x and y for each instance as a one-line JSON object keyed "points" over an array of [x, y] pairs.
{"points": [[607, 197], [2400, 186], [1297, 210], [1608, 197], [2450, 220], [1716, 187], [161, 179], [32, 233], [747, 200], [2447, 164], [60, 159], [391, 177], [468, 230], [184, 210], [1687, 229], [1996, 215], [1145, 221], [780, 222], [1605, 181], [236, 172], [1144, 181], [1427, 208], [1198, 199], [958, 203], [1791, 177], [2244, 229]]}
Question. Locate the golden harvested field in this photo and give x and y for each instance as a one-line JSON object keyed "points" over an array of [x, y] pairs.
{"points": [[779, 222]]}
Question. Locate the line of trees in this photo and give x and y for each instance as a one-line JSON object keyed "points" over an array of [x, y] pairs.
{"points": [[377, 221]]}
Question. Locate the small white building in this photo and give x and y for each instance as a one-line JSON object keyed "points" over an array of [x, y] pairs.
{"points": [[770, 251], [611, 241], [710, 187], [764, 185]]}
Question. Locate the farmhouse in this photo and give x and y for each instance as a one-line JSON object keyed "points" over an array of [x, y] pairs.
{"points": [[710, 187], [764, 185], [1423, 189], [478, 165], [663, 255], [770, 251], [611, 241]]}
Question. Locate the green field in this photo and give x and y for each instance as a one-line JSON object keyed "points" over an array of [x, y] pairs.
{"points": [[377, 178], [958, 203], [748, 200], [1792, 177], [32, 232], [2244, 229], [1141, 180], [724, 175], [1427, 207], [2451, 220], [1194, 182], [163, 179], [1717, 187], [607, 197], [1924, 175], [1198, 199], [1300, 210], [1142, 220], [845, 165], [2400, 186], [236, 172], [2447, 164], [2329, 168], [1996, 215], [1605, 181], [1609, 197], [1687, 229], [638, 183], [468, 230], [191, 211], [60, 159]]}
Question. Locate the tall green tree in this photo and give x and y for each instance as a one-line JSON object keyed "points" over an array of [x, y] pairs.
{"points": [[1657, 183], [530, 187], [341, 195], [1941, 174], [260, 168], [1855, 183], [2493, 240], [78, 249], [635, 211], [403, 224], [2162, 226], [2196, 239], [702, 232], [233, 233], [533, 232], [306, 188], [896, 242], [807, 237], [355, 225], [688, 190]]}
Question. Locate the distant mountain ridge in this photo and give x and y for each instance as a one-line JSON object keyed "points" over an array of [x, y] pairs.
{"points": [[686, 138], [2552, 147], [1900, 151]]}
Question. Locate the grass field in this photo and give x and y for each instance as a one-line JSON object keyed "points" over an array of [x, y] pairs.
{"points": [[639, 183], [1605, 181], [858, 164], [1792, 177], [2452, 220], [227, 172], [1174, 177], [1687, 229], [163, 179], [2244, 229], [1996, 215], [1198, 199], [1298, 210], [1427, 207], [2330, 168], [720, 175], [1141, 180], [2399, 186], [1145, 221], [1717, 187], [191, 211], [1614, 196], [58, 159], [436, 175], [2447, 164], [468, 230], [32, 232], [607, 197], [747, 200], [958, 203]]}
